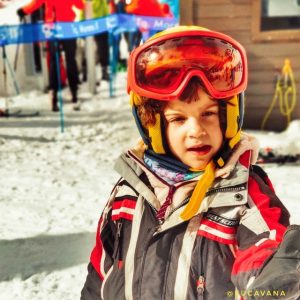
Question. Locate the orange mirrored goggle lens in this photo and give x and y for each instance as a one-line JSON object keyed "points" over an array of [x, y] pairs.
{"points": [[161, 67]]}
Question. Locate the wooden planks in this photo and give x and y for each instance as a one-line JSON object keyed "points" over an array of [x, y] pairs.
{"points": [[222, 10], [254, 117], [186, 12], [270, 62], [213, 2], [270, 75], [223, 24]]}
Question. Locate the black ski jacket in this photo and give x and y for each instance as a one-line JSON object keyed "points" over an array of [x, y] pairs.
{"points": [[216, 255]]}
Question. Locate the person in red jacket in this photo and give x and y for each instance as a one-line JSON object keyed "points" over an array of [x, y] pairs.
{"points": [[151, 8], [59, 11]]}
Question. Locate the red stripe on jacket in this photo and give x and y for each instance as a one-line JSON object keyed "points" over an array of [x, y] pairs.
{"points": [[254, 257], [96, 255], [271, 215], [216, 238], [123, 209]]}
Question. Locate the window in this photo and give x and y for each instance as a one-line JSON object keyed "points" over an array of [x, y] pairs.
{"points": [[276, 20]]}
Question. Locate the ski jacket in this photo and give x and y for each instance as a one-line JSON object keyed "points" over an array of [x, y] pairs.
{"points": [[100, 9], [238, 227], [55, 10], [148, 8]]}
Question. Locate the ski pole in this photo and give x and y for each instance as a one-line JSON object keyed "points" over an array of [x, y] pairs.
{"points": [[18, 44], [12, 74], [6, 112]]}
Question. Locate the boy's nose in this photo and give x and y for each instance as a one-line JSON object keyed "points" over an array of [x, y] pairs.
{"points": [[196, 129]]}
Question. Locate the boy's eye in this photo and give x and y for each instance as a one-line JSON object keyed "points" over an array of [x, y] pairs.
{"points": [[176, 120], [209, 113]]}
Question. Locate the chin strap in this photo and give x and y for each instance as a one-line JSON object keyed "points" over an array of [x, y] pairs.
{"points": [[232, 138], [199, 192]]}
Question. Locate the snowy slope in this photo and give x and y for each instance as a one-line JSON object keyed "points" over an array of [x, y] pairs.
{"points": [[55, 185]]}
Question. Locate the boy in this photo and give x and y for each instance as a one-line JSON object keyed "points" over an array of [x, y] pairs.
{"points": [[190, 218]]}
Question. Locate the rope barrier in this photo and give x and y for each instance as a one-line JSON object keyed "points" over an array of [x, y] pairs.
{"points": [[285, 93]]}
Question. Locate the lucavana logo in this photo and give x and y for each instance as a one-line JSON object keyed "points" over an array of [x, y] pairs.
{"points": [[257, 293]]}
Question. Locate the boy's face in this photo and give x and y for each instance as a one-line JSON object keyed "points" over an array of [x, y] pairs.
{"points": [[193, 130]]}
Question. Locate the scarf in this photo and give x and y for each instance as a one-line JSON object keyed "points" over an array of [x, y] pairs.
{"points": [[168, 169]]}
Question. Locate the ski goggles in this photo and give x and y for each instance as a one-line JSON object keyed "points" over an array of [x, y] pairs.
{"points": [[162, 67]]}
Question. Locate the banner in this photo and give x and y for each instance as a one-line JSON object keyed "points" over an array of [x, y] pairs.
{"points": [[116, 24]]}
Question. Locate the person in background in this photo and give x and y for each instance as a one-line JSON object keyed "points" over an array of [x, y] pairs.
{"points": [[59, 11], [150, 8], [192, 216], [100, 9]]}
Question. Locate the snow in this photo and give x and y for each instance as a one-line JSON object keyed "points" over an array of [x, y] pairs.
{"points": [[54, 186], [8, 10]]}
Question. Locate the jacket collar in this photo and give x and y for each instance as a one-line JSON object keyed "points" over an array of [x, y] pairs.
{"points": [[228, 191]]}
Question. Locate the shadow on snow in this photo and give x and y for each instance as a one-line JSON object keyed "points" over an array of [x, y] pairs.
{"points": [[43, 253]]}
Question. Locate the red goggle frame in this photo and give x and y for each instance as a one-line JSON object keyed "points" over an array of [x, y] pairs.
{"points": [[162, 67]]}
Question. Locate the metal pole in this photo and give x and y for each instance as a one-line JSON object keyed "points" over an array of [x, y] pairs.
{"points": [[6, 112], [113, 61], [90, 52], [62, 124]]}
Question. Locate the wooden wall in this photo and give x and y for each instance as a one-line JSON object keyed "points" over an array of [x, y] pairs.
{"points": [[265, 59]]}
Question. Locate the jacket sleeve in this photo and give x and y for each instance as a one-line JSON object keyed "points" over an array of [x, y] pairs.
{"points": [[281, 273], [102, 256], [32, 6], [262, 226], [79, 4]]}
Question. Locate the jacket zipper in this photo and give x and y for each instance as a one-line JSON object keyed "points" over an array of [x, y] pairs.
{"points": [[118, 246], [237, 188], [211, 192], [201, 286]]}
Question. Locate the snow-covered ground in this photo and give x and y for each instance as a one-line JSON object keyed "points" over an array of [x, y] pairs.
{"points": [[54, 185]]}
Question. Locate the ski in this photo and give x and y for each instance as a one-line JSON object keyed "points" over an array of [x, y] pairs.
{"points": [[270, 157], [18, 114]]}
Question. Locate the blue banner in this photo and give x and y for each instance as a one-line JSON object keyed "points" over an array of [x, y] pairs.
{"points": [[116, 24]]}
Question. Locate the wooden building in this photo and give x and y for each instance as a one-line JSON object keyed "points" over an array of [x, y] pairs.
{"points": [[266, 50]]}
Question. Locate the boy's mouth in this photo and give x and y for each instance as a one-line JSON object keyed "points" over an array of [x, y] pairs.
{"points": [[200, 150]]}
